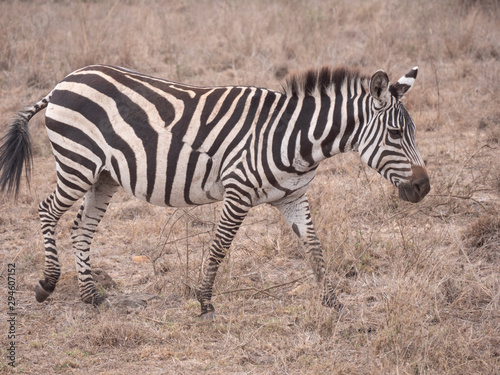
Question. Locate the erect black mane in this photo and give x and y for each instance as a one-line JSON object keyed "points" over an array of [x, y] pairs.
{"points": [[322, 80]]}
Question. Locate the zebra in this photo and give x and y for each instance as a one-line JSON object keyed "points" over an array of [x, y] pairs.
{"points": [[173, 144]]}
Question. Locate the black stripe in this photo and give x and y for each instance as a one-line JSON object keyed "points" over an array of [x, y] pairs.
{"points": [[377, 137], [190, 171], [326, 145], [296, 128], [350, 121], [276, 139], [116, 168], [304, 124], [174, 151], [361, 108], [322, 117], [207, 173]]}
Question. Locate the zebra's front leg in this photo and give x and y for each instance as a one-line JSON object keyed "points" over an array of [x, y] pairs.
{"points": [[298, 216], [234, 211], [94, 206]]}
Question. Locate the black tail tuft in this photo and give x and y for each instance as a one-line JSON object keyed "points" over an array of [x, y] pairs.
{"points": [[15, 152]]}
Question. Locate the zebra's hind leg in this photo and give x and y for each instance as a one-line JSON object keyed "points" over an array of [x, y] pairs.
{"points": [[94, 206], [50, 210], [297, 214]]}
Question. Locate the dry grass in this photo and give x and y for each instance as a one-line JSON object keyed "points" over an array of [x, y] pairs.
{"points": [[420, 282]]}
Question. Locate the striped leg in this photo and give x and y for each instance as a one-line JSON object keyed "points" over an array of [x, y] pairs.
{"points": [[297, 214], [50, 210], [94, 206], [234, 211]]}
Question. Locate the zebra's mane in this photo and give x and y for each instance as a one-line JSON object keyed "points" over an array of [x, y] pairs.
{"points": [[323, 80]]}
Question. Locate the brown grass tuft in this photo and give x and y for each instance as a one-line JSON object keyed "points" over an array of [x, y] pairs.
{"points": [[115, 332], [483, 237]]}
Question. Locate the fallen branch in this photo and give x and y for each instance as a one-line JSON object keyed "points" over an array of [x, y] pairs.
{"points": [[263, 291]]}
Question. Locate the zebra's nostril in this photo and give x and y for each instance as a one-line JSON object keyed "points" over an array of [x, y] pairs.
{"points": [[417, 188], [421, 186]]}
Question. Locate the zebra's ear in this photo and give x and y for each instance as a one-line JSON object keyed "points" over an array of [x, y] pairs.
{"points": [[404, 84], [379, 84]]}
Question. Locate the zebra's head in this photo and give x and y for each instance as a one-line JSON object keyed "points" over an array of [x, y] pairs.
{"points": [[387, 142]]}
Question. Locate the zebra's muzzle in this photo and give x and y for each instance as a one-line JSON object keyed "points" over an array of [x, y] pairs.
{"points": [[417, 188]]}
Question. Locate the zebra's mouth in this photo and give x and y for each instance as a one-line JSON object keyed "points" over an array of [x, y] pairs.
{"points": [[418, 187]]}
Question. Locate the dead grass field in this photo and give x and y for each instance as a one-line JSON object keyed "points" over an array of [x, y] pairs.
{"points": [[420, 282]]}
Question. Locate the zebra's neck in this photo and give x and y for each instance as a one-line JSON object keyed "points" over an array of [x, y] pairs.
{"points": [[322, 125]]}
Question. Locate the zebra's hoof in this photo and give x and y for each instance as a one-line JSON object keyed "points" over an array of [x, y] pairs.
{"points": [[207, 313], [331, 301], [40, 293], [96, 300], [100, 301], [208, 316]]}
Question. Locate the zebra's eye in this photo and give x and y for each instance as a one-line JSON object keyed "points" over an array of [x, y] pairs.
{"points": [[395, 133]]}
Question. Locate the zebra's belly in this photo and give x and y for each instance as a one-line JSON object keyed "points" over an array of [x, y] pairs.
{"points": [[280, 195], [177, 197], [180, 179], [285, 187], [197, 196]]}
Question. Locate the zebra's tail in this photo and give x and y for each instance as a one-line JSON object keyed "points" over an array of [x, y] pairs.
{"points": [[15, 149]]}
